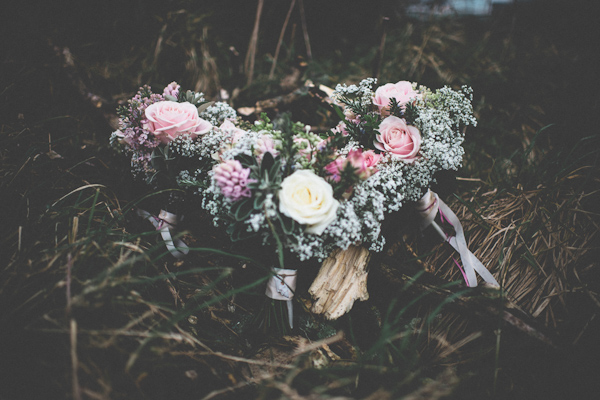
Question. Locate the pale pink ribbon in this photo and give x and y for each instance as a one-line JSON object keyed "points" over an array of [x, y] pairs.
{"points": [[428, 207], [281, 286], [164, 223]]}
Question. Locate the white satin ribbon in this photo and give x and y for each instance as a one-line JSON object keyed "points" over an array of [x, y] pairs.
{"points": [[428, 207], [164, 223], [282, 286]]}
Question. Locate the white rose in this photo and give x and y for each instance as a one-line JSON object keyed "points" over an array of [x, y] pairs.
{"points": [[308, 199]]}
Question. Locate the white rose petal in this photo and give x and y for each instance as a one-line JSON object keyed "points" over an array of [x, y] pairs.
{"points": [[308, 199]]}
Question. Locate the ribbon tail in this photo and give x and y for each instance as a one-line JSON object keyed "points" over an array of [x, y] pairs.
{"points": [[465, 256], [483, 271], [176, 247], [471, 263]]}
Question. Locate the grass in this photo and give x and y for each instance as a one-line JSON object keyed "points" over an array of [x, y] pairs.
{"points": [[93, 306]]}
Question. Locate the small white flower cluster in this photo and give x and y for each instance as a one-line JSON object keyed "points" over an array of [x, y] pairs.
{"points": [[201, 148], [213, 200], [457, 104], [363, 92], [218, 112]]}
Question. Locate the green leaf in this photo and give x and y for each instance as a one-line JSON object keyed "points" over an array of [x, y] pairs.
{"points": [[267, 163], [259, 200], [339, 112], [204, 106], [238, 232], [246, 160], [275, 169], [242, 209]]}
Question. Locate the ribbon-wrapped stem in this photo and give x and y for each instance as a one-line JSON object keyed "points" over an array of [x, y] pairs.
{"points": [[281, 286], [428, 207]]}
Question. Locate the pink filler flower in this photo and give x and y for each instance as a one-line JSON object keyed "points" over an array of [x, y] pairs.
{"points": [[232, 179]]}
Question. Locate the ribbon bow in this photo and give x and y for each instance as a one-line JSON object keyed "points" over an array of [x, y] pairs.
{"points": [[164, 223], [428, 207]]}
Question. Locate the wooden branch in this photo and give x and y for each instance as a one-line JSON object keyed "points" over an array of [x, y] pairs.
{"points": [[305, 30], [251, 54], [341, 281], [285, 23]]}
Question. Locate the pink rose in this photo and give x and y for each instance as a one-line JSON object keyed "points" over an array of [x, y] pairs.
{"points": [[233, 131], [398, 139], [357, 160], [371, 158], [401, 91], [169, 119]]}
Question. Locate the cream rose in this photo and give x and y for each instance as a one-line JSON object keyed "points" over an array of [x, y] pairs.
{"points": [[401, 91], [169, 119], [398, 139], [308, 199]]}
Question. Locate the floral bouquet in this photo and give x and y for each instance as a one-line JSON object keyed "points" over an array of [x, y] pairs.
{"points": [[292, 190], [166, 136], [416, 133]]}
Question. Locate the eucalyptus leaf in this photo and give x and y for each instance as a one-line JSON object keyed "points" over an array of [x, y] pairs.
{"points": [[204, 106]]}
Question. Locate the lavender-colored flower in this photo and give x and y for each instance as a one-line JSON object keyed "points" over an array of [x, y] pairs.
{"points": [[133, 119], [232, 179], [172, 89]]}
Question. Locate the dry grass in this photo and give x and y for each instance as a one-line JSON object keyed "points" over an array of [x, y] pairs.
{"points": [[540, 249]]}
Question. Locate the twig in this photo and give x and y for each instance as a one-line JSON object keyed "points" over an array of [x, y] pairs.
{"points": [[305, 30], [74, 361], [325, 342], [285, 23], [379, 57], [251, 54], [248, 382], [68, 282]]}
